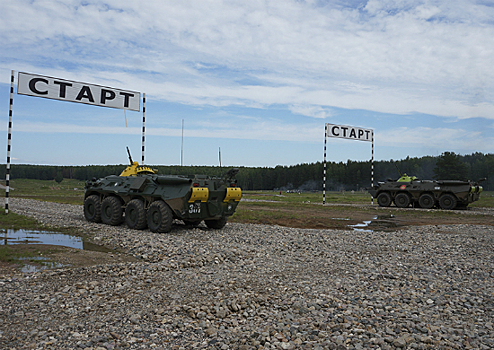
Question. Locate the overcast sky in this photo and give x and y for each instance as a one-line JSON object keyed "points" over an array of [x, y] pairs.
{"points": [[256, 79]]}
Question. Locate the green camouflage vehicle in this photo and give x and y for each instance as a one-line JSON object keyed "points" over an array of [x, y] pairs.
{"points": [[408, 190], [143, 199]]}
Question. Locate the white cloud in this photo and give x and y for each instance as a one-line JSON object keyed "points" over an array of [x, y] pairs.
{"points": [[436, 138], [311, 111], [309, 58], [250, 130], [419, 56]]}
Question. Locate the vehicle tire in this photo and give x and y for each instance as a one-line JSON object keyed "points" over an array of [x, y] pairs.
{"points": [[447, 201], [384, 199], [193, 223], [216, 224], [92, 208], [426, 201], [111, 211], [402, 200], [135, 215], [159, 217]]}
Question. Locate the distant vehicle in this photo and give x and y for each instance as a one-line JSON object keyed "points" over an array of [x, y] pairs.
{"points": [[408, 190], [144, 199]]}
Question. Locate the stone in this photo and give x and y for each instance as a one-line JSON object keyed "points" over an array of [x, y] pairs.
{"points": [[400, 342], [257, 286]]}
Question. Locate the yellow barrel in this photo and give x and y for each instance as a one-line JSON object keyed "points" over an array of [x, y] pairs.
{"points": [[199, 194], [233, 193]]}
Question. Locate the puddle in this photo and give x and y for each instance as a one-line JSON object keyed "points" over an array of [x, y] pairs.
{"points": [[361, 227], [47, 237], [34, 264], [44, 264], [40, 237], [378, 223]]}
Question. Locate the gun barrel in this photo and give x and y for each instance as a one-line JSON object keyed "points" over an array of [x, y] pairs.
{"points": [[130, 157], [399, 172]]}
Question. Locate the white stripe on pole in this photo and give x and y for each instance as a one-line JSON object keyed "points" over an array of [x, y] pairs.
{"points": [[143, 124], [9, 144]]}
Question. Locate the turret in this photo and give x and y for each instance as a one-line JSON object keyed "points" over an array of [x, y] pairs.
{"points": [[134, 168]]}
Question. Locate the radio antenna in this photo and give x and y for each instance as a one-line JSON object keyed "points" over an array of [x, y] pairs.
{"points": [[182, 147]]}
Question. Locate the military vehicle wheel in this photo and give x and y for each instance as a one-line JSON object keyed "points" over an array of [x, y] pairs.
{"points": [[159, 217], [135, 214], [111, 211], [402, 200], [426, 201], [92, 208], [384, 199], [216, 224], [447, 201], [192, 222]]}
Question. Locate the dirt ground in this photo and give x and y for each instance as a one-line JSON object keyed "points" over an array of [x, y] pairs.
{"points": [[345, 217]]}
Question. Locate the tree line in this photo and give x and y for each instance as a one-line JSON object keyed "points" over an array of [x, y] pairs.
{"points": [[350, 175]]}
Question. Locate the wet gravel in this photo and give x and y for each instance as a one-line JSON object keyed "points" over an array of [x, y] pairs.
{"points": [[258, 287]]}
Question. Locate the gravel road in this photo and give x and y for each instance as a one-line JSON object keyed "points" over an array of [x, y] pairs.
{"points": [[258, 287]]}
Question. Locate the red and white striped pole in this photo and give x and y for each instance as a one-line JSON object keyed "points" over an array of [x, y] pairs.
{"points": [[9, 144]]}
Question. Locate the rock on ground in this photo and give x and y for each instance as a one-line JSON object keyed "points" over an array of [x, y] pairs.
{"points": [[258, 287]]}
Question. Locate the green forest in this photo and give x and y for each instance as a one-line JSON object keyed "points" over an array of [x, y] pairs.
{"points": [[351, 175]]}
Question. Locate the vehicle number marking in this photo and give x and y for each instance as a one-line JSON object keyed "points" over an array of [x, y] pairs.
{"points": [[194, 208]]}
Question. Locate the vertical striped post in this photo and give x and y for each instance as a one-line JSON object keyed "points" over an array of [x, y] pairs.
{"points": [[372, 167], [324, 171], [143, 124], [9, 143]]}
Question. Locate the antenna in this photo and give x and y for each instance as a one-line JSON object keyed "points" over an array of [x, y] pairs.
{"points": [[220, 155], [182, 148]]}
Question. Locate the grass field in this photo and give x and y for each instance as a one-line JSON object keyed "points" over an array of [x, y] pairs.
{"points": [[72, 192], [67, 192], [486, 198]]}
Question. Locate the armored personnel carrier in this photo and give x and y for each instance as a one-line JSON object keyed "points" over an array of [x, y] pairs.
{"points": [[408, 190], [142, 198]]}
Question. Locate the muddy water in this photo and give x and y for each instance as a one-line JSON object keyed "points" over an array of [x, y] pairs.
{"points": [[39, 237], [32, 237], [378, 223]]}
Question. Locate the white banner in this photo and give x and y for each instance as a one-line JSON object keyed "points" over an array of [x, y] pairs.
{"points": [[73, 91], [349, 132]]}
